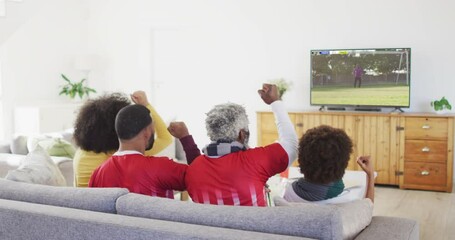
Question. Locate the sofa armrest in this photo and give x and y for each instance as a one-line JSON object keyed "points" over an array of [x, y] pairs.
{"points": [[5, 147], [391, 228]]}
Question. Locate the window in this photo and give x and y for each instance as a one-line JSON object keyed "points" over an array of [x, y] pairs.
{"points": [[2, 133]]}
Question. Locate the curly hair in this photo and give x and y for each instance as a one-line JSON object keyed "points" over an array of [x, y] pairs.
{"points": [[94, 128], [324, 154], [225, 121]]}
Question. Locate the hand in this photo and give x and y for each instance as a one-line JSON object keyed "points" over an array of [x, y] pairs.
{"points": [[178, 129], [269, 93], [366, 164], [139, 97]]}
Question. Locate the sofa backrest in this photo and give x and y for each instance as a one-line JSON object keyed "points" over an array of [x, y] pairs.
{"points": [[322, 222], [21, 220], [94, 199]]}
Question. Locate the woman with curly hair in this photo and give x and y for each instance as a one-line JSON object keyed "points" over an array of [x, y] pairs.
{"points": [[323, 156], [94, 132]]}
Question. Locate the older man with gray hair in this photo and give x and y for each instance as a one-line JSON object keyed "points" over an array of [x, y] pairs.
{"points": [[230, 173]]}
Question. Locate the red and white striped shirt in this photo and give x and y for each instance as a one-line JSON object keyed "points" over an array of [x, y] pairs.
{"points": [[236, 178]]}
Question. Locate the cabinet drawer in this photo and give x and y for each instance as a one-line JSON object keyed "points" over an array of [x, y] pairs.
{"points": [[425, 151], [426, 128], [432, 174]]}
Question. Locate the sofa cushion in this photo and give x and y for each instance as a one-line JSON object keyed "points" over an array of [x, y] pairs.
{"points": [[37, 167], [382, 227], [321, 222], [94, 199], [5, 146], [355, 215]]}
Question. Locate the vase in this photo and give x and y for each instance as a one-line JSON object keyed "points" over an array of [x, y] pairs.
{"points": [[443, 111]]}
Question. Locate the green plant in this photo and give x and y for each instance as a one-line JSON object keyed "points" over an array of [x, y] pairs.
{"points": [[72, 89], [442, 104], [282, 85]]}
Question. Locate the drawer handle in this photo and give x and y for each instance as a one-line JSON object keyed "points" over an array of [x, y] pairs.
{"points": [[426, 127], [425, 173], [425, 149]]}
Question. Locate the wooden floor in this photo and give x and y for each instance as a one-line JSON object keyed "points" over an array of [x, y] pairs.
{"points": [[435, 211]]}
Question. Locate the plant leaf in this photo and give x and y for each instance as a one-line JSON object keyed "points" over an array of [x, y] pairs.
{"points": [[65, 78]]}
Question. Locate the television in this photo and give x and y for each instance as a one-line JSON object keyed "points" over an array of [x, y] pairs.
{"points": [[371, 78]]}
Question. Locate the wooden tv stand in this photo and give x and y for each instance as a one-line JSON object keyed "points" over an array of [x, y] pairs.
{"points": [[410, 150]]}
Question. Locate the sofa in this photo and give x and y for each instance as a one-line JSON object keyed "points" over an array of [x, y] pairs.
{"points": [[33, 211], [13, 152]]}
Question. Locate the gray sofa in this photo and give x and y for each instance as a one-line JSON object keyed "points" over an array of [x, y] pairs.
{"points": [[12, 152], [30, 211]]}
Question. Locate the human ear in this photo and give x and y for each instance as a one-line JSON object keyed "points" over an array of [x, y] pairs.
{"points": [[243, 135]]}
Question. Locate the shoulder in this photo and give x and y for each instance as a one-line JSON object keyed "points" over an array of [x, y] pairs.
{"points": [[164, 160], [274, 148], [88, 158]]}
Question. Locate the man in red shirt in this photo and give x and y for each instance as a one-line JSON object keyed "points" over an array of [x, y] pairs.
{"points": [[230, 173], [129, 168]]}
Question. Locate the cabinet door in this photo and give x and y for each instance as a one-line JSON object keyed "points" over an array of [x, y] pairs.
{"points": [[373, 135], [377, 136]]}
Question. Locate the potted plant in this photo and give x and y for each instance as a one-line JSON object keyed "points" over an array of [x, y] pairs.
{"points": [[73, 89], [441, 106], [282, 85]]}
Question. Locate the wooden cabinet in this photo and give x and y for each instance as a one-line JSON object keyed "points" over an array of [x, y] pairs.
{"points": [[428, 153], [402, 146]]}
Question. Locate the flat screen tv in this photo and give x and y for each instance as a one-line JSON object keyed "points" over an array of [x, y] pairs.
{"points": [[378, 77]]}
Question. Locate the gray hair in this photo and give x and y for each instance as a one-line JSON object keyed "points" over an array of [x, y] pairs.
{"points": [[225, 121]]}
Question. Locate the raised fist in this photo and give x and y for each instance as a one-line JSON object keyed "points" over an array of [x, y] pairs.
{"points": [[178, 129], [269, 93], [139, 97]]}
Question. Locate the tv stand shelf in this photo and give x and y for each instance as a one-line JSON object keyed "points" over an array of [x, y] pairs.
{"points": [[410, 150]]}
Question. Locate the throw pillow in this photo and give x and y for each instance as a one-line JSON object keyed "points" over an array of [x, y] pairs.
{"points": [[37, 167], [54, 146], [19, 145]]}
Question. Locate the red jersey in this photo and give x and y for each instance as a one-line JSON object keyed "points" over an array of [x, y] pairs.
{"points": [[237, 178], [148, 175]]}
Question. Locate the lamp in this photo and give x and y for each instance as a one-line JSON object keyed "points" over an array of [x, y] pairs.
{"points": [[85, 64]]}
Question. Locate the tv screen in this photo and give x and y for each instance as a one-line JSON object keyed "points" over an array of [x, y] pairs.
{"points": [[361, 77]]}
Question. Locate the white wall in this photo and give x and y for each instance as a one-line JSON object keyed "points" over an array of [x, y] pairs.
{"points": [[205, 52], [191, 54], [35, 55]]}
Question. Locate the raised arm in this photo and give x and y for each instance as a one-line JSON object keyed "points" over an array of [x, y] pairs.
{"points": [[180, 131], [367, 166], [286, 132], [163, 137]]}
